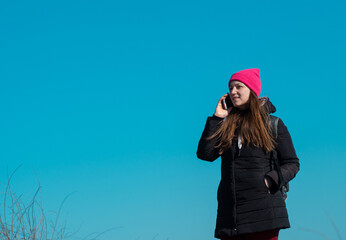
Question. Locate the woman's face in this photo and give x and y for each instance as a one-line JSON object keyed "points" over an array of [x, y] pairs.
{"points": [[239, 94]]}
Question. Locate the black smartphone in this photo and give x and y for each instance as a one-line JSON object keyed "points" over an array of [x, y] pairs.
{"points": [[227, 102]]}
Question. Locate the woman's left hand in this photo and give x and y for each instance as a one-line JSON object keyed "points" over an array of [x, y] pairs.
{"points": [[266, 181]]}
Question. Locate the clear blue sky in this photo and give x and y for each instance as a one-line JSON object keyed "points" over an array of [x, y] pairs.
{"points": [[109, 99]]}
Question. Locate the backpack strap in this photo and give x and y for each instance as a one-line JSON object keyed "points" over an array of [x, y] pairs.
{"points": [[274, 122], [273, 155]]}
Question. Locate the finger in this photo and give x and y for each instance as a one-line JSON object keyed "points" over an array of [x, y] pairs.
{"points": [[223, 97]]}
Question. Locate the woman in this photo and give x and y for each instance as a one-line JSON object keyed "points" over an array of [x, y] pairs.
{"points": [[250, 205]]}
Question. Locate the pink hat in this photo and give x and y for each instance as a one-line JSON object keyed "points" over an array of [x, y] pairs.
{"points": [[250, 77]]}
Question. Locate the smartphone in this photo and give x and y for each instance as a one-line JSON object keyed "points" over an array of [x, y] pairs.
{"points": [[227, 102]]}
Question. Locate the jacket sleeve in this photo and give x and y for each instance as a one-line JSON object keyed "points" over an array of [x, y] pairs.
{"points": [[206, 147], [289, 162]]}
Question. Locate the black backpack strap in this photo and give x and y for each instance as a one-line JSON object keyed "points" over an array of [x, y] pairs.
{"points": [[274, 122], [282, 185]]}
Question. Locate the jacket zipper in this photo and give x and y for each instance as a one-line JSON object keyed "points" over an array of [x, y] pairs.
{"points": [[234, 191]]}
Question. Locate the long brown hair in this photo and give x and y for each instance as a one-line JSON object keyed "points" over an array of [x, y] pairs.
{"points": [[252, 124]]}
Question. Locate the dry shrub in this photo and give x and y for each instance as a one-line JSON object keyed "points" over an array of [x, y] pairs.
{"points": [[21, 220]]}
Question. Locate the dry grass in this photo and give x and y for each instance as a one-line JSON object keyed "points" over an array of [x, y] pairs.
{"points": [[322, 234], [27, 220], [21, 220]]}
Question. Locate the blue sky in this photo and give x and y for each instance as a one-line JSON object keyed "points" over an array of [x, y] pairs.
{"points": [[108, 100]]}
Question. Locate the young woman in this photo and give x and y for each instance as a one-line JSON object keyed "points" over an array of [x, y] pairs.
{"points": [[250, 205]]}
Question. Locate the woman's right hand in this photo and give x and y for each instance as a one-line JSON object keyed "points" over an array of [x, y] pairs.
{"points": [[221, 110]]}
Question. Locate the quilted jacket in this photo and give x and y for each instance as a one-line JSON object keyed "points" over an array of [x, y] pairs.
{"points": [[245, 204]]}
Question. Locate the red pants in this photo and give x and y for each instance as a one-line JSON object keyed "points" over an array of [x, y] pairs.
{"points": [[266, 235]]}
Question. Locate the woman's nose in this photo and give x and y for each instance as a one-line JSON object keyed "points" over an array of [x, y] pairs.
{"points": [[232, 90]]}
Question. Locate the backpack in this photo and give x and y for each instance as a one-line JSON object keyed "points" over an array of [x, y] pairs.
{"points": [[283, 187]]}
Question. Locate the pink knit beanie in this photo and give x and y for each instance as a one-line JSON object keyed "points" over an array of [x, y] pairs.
{"points": [[250, 77]]}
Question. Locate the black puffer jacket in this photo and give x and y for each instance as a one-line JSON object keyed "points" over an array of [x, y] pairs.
{"points": [[244, 203]]}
